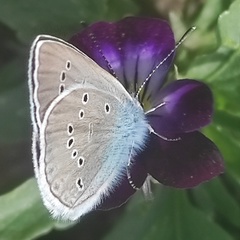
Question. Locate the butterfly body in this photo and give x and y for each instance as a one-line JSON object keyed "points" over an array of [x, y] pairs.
{"points": [[86, 128]]}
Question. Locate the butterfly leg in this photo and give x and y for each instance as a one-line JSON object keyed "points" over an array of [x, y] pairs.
{"points": [[146, 187], [130, 163]]}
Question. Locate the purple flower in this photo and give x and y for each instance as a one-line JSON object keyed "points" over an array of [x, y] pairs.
{"points": [[181, 157]]}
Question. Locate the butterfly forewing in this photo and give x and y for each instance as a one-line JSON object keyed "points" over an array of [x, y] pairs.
{"points": [[54, 67]]}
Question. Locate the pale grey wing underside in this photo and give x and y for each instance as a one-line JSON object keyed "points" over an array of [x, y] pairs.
{"points": [[78, 142], [85, 127], [55, 66]]}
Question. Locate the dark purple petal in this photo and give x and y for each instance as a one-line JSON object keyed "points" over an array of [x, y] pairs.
{"points": [[124, 190], [133, 47], [184, 163], [188, 107]]}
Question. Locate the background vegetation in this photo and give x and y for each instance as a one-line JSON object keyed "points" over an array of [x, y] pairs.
{"points": [[211, 54]]}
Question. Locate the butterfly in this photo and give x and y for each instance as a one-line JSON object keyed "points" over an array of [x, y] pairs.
{"points": [[86, 128]]}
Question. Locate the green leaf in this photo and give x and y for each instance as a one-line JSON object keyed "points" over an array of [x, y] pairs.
{"points": [[31, 17], [205, 65], [118, 9], [229, 26], [23, 215], [210, 13], [221, 68], [58, 17], [170, 217], [15, 114], [12, 74], [229, 147], [220, 201], [225, 119]]}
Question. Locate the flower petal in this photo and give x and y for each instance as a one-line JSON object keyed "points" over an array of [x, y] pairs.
{"points": [[188, 107], [131, 48], [124, 190], [184, 163]]}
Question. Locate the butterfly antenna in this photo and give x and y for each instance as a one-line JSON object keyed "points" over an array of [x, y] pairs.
{"points": [[183, 38], [152, 131]]}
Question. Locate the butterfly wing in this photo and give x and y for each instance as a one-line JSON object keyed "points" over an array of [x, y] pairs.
{"points": [[84, 127], [54, 67], [81, 159]]}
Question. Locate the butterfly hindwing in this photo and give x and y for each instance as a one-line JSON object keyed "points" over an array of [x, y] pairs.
{"points": [[90, 145]]}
